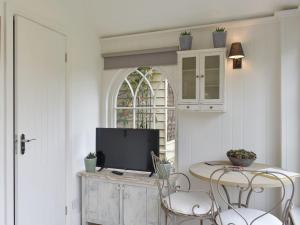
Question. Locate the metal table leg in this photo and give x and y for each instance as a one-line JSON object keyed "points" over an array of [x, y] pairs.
{"points": [[240, 199]]}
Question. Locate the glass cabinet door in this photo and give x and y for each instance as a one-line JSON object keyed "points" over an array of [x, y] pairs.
{"points": [[189, 79], [212, 84]]}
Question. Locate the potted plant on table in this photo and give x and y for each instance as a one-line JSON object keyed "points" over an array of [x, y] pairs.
{"points": [[219, 37], [241, 157], [185, 41], [165, 169], [90, 162]]}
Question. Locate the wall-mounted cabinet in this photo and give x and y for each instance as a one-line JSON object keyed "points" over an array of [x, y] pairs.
{"points": [[202, 80]]}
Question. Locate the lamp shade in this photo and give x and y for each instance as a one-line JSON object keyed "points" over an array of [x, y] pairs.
{"points": [[236, 51]]}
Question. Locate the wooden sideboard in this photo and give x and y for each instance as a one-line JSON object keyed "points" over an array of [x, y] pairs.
{"points": [[130, 199]]}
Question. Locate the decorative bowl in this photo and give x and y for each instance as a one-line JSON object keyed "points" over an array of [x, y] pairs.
{"points": [[241, 162], [241, 157]]}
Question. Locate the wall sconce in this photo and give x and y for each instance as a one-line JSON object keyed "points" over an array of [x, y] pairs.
{"points": [[236, 53]]}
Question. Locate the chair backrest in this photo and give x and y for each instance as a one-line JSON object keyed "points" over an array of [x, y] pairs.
{"points": [[163, 182], [221, 196], [168, 182]]}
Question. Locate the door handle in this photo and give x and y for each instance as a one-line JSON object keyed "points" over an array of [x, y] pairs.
{"points": [[23, 143]]}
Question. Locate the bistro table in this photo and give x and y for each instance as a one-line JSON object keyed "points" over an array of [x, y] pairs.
{"points": [[203, 171]]}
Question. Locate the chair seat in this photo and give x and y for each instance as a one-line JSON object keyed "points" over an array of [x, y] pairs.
{"points": [[231, 217], [183, 202], [295, 214]]}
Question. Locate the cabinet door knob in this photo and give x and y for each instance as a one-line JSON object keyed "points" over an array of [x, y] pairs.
{"points": [[202, 76], [197, 76], [188, 107], [211, 107]]}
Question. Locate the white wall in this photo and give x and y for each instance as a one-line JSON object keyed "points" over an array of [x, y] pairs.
{"points": [[252, 120], [84, 103], [2, 137], [290, 86], [83, 88]]}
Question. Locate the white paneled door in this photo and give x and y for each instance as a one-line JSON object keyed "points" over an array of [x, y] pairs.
{"points": [[40, 157]]}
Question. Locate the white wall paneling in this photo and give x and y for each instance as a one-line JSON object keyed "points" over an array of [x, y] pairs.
{"points": [[82, 97], [252, 119], [2, 120], [290, 89]]}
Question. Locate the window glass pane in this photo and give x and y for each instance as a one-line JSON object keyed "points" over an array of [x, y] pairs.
{"points": [[171, 125], [160, 124], [125, 97], [125, 118], [144, 69], [189, 78], [144, 118], [165, 122], [171, 99], [159, 88], [212, 77], [144, 95], [146, 115], [155, 80], [160, 95], [134, 79]]}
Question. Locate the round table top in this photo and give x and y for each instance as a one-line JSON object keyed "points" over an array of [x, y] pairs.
{"points": [[203, 171]]}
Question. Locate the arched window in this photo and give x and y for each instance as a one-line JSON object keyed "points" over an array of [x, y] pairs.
{"points": [[146, 100]]}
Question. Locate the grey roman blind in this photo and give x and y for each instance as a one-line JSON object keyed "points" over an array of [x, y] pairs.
{"points": [[149, 57]]}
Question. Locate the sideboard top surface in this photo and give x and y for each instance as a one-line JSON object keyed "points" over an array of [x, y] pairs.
{"points": [[127, 177]]}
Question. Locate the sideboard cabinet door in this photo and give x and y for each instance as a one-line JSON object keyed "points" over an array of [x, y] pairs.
{"points": [[109, 203], [92, 192], [103, 202], [135, 205], [153, 206]]}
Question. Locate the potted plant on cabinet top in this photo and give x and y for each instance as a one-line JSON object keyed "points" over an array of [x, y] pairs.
{"points": [[165, 169], [185, 41], [219, 37], [90, 162]]}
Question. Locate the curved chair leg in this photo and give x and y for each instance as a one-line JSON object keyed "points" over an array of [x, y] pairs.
{"points": [[166, 218], [169, 219]]}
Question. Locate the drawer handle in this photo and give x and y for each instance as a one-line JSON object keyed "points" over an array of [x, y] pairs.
{"points": [[188, 107], [202, 76], [211, 107]]}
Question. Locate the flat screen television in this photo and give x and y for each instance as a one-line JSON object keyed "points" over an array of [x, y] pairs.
{"points": [[128, 149]]}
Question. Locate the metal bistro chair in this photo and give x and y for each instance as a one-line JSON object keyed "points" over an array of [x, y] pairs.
{"points": [[235, 214], [178, 204], [295, 216]]}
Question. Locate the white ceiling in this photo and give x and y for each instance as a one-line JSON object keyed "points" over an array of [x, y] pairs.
{"points": [[115, 17]]}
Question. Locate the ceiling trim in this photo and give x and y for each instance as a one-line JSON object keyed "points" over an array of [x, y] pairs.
{"points": [[285, 13], [230, 23]]}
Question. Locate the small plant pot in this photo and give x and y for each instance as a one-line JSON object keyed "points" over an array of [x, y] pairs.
{"points": [[90, 165], [219, 39], [165, 170], [185, 42]]}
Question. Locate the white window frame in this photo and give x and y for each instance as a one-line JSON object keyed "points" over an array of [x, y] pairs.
{"points": [[134, 107]]}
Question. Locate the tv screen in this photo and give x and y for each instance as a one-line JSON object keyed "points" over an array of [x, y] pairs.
{"points": [[129, 149]]}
